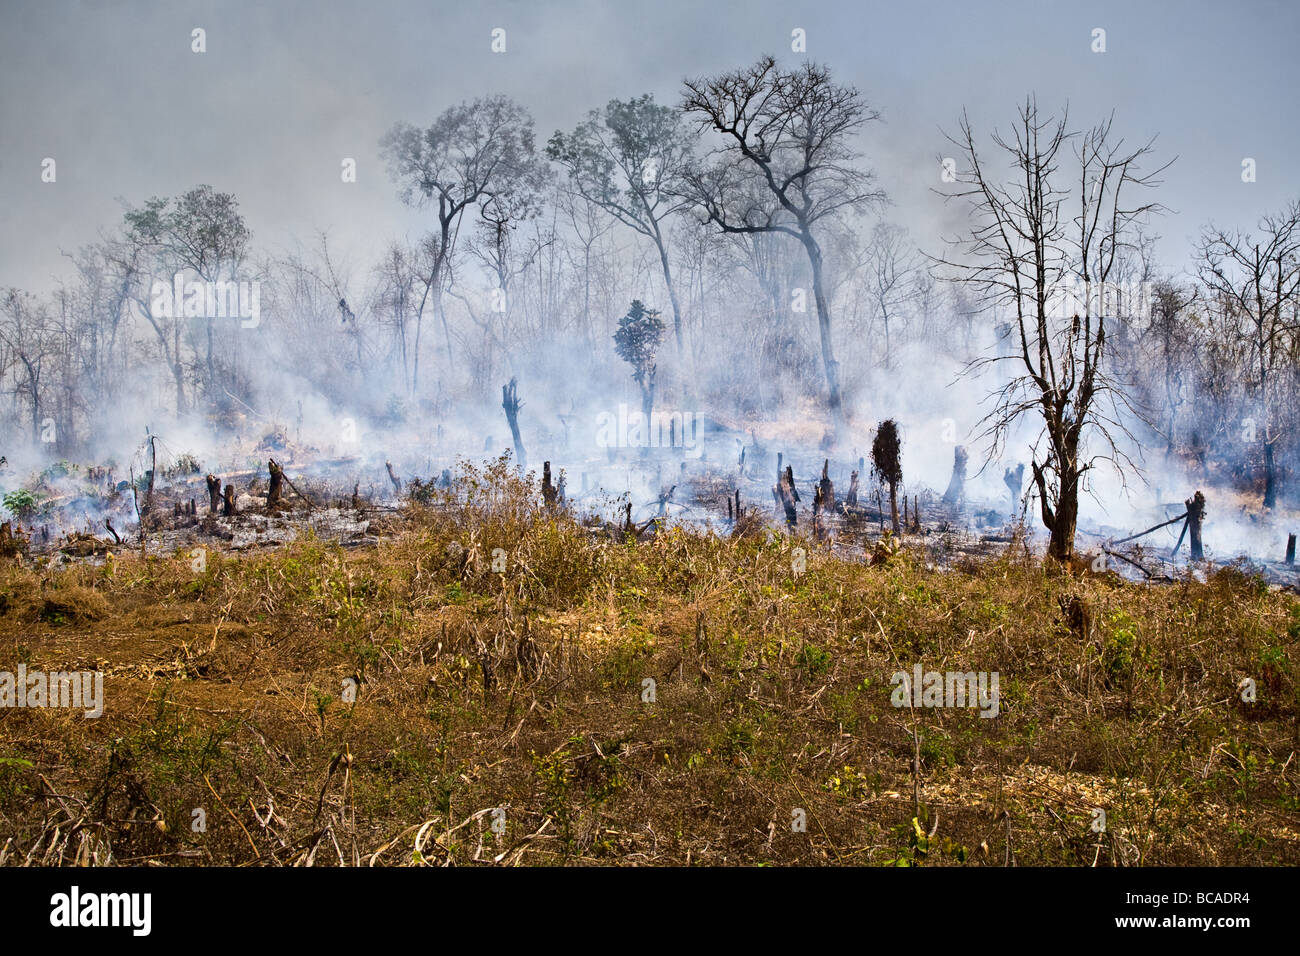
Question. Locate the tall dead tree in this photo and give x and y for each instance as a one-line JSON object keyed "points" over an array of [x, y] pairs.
{"points": [[1043, 246], [788, 136], [1257, 278]]}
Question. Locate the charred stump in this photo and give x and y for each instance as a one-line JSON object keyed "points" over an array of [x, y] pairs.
{"points": [[214, 494], [851, 500], [827, 487], [1014, 480], [1195, 518], [511, 404], [957, 483], [276, 486], [549, 492], [392, 476], [228, 508], [787, 497]]}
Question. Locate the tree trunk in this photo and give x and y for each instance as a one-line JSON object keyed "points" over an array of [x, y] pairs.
{"points": [[277, 482], [672, 297], [1195, 517], [1270, 475], [824, 329], [511, 404], [957, 483]]}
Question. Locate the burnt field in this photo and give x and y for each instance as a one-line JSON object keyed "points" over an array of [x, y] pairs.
{"points": [[481, 673], [574, 436]]}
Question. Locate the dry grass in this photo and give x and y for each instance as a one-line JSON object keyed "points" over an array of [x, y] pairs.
{"points": [[523, 692]]}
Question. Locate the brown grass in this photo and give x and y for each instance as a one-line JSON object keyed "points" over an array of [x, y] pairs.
{"points": [[523, 692]]}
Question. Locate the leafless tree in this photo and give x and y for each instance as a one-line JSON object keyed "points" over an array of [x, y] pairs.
{"points": [[1258, 279], [1042, 237], [793, 130], [890, 269]]}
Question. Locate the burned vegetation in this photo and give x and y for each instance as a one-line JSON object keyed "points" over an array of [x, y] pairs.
{"points": [[628, 511], [658, 695]]}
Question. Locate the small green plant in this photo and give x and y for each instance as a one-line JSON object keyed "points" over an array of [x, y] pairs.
{"points": [[20, 503], [813, 660]]}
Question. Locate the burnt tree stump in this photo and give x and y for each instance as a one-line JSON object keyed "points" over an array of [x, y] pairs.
{"points": [[787, 496], [549, 492], [1014, 480], [957, 483], [276, 485], [228, 508], [827, 487], [511, 404], [1195, 518], [214, 494]]}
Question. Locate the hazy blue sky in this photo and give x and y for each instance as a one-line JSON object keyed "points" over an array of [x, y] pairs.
{"points": [[111, 90]]}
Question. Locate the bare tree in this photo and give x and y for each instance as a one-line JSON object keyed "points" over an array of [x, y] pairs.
{"points": [[792, 129], [890, 268], [1042, 244], [1259, 278], [29, 346]]}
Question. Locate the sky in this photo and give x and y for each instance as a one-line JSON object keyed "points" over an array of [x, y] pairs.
{"points": [[286, 90]]}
